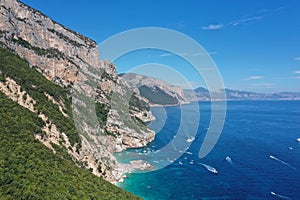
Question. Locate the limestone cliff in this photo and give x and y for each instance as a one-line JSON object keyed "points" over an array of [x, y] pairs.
{"points": [[70, 60], [153, 90]]}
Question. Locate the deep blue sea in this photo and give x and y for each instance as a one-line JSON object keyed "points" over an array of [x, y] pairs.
{"points": [[257, 155]]}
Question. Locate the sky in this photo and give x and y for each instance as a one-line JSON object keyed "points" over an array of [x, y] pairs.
{"points": [[254, 43]]}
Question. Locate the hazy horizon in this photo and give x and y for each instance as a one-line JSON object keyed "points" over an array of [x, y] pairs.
{"points": [[255, 44]]}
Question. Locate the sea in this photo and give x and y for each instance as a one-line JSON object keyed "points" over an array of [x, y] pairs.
{"points": [[257, 155]]}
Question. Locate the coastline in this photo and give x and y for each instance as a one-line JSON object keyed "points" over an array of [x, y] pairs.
{"points": [[169, 105], [209, 100], [122, 170], [185, 175]]}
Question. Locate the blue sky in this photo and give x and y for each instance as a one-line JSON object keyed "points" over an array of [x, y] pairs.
{"points": [[254, 43]]}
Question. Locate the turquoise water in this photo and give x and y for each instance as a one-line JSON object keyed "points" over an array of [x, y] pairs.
{"points": [[256, 157]]}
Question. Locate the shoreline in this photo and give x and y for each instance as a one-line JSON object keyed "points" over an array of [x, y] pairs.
{"points": [[188, 102], [168, 105], [122, 170]]}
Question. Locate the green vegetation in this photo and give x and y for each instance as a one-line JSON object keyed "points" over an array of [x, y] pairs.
{"points": [[50, 53], [29, 170], [1, 32], [135, 102], [35, 84], [102, 113], [65, 38], [2, 78], [105, 75], [157, 96], [125, 105]]}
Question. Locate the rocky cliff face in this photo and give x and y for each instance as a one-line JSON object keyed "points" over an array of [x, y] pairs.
{"points": [[171, 93], [71, 60]]}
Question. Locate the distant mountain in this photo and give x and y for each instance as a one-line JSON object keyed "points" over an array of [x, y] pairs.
{"points": [[156, 91], [201, 94], [156, 95]]}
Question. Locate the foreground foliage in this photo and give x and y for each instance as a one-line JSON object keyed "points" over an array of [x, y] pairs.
{"points": [[28, 169], [36, 85]]}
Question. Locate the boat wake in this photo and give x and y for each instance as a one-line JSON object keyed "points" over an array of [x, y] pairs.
{"points": [[209, 168], [280, 196], [281, 161]]}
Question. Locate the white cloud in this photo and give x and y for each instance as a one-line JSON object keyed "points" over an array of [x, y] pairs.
{"points": [[253, 78], [261, 14], [245, 20], [297, 72], [233, 23], [212, 27], [297, 58], [266, 85]]}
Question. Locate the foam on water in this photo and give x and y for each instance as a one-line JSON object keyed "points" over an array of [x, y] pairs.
{"points": [[281, 161], [209, 168], [228, 159], [281, 196], [249, 170]]}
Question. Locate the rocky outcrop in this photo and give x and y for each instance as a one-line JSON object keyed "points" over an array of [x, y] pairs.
{"points": [[60, 104], [14, 91], [52, 134], [137, 81], [71, 60], [54, 49]]}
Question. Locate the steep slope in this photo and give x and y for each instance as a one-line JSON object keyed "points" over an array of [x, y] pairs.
{"points": [[31, 90], [29, 170], [154, 91], [84, 88], [155, 95]]}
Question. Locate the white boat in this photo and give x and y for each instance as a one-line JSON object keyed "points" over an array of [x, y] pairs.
{"points": [[190, 139], [209, 168]]}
